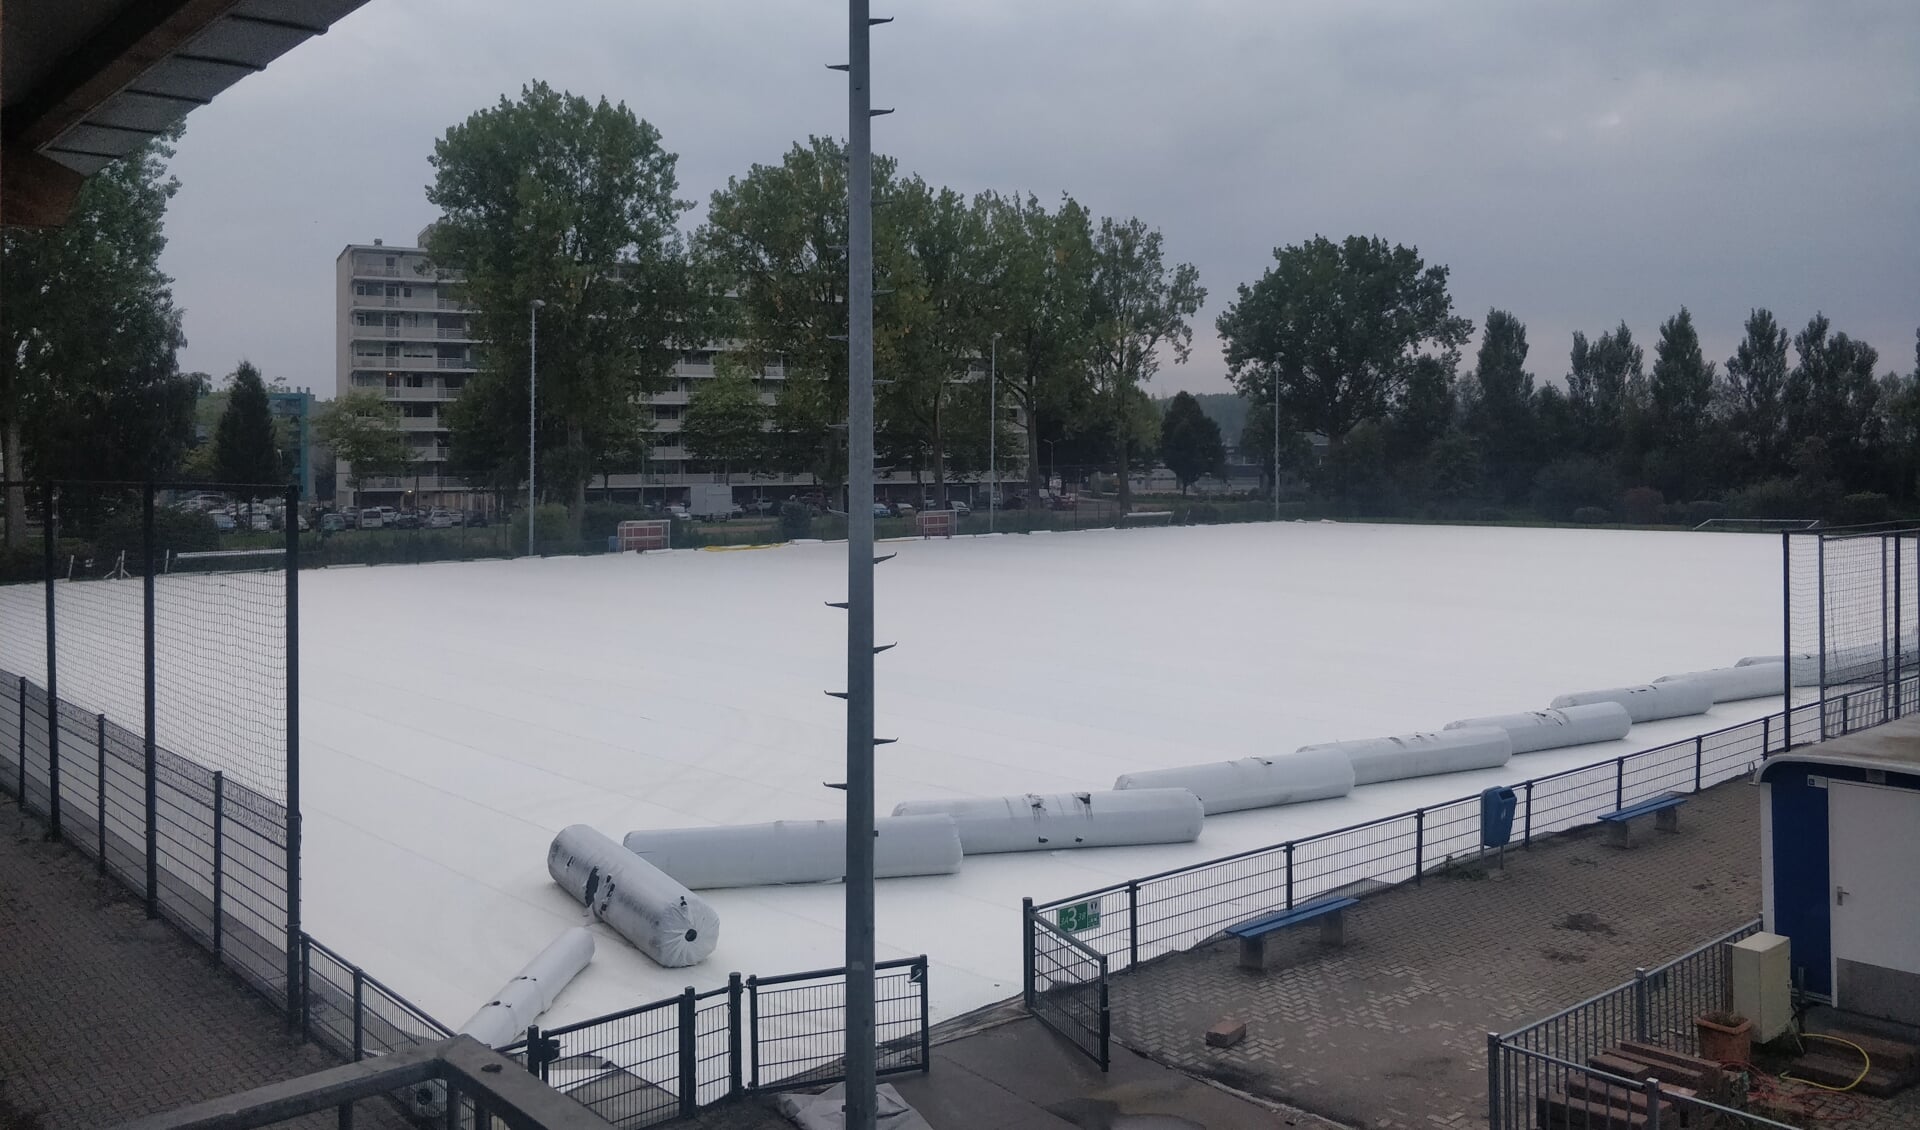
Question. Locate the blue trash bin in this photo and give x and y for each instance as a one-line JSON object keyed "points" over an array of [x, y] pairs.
{"points": [[1497, 806]]}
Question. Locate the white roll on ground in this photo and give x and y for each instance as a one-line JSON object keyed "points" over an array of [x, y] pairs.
{"points": [[1559, 727], [1069, 820], [796, 851], [1253, 782], [1422, 755], [520, 1002], [1649, 703], [1732, 684], [663, 919]]}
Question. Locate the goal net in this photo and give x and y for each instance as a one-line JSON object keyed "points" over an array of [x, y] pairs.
{"points": [[641, 535]]}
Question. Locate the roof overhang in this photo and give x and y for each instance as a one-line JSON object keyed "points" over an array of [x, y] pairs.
{"points": [[1890, 748], [85, 82]]}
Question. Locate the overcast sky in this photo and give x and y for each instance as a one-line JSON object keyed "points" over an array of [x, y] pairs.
{"points": [[1575, 163]]}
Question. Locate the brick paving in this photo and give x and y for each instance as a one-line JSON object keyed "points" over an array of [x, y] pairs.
{"points": [[1390, 1031], [106, 1016]]}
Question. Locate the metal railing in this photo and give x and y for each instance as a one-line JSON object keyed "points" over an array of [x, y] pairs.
{"points": [[1124, 924], [1542, 1074], [669, 1058]]}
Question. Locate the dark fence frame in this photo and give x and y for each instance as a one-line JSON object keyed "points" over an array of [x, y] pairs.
{"points": [[1124, 924]]}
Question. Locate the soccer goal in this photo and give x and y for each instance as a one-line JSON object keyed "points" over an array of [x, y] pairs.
{"points": [[225, 560], [643, 534], [938, 523], [1758, 525]]}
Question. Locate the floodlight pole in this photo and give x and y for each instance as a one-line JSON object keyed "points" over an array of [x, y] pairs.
{"points": [[1276, 445], [533, 399], [993, 428], [861, 1103]]}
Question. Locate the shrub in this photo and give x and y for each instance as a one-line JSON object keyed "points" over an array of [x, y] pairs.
{"points": [[1490, 514], [1776, 498], [1704, 510], [796, 520], [549, 523], [1641, 506], [1865, 506], [1592, 516], [1567, 485]]}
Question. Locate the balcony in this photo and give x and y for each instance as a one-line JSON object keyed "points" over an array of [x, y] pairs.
{"points": [[455, 333], [426, 301], [429, 392], [422, 423], [456, 363]]}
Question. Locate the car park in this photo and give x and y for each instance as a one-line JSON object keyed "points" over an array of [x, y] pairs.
{"points": [[438, 519], [369, 519], [407, 520], [333, 523], [223, 521]]}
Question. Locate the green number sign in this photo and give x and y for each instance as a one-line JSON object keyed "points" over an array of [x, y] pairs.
{"points": [[1080, 916]]}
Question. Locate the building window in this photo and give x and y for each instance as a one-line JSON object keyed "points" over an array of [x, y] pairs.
{"points": [[416, 380]]}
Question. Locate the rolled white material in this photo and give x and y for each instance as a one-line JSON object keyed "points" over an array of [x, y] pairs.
{"points": [[1731, 684], [1649, 703], [1422, 755], [796, 851], [1559, 727], [520, 1001], [1253, 782], [1069, 820], [663, 919], [1858, 663]]}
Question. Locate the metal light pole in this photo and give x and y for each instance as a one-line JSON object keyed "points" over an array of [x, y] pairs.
{"points": [[993, 428], [861, 1104], [1276, 445], [533, 397]]}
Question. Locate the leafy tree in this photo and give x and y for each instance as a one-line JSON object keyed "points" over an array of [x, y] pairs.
{"points": [[88, 380], [1679, 397], [1575, 483], [1755, 389], [1040, 273], [1139, 304], [1256, 444], [1190, 443], [571, 203], [1831, 395], [1501, 416], [1606, 383], [246, 446], [1335, 329], [726, 422], [363, 428]]}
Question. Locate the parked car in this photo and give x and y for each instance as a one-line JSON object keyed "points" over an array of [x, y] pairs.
{"points": [[223, 522], [904, 510], [438, 519], [882, 510], [1061, 502], [388, 515], [407, 520], [260, 522], [475, 518], [959, 508], [369, 519], [675, 510], [332, 523]]}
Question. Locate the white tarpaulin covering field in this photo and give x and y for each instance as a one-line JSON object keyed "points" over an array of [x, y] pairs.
{"points": [[456, 716]]}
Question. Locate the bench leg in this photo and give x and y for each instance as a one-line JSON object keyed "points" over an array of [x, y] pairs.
{"points": [[1253, 953], [1620, 833], [1333, 929], [1667, 819]]}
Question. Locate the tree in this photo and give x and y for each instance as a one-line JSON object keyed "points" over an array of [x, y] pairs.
{"points": [[1190, 443], [1755, 387], [571, 203], [1679, 396], [1606, 384], [246, 447], [1138, 304], [1335, 329], [363, 428], [1501, 417], [1831, 395], [88, 380], [726, 421], [1041, 275]]}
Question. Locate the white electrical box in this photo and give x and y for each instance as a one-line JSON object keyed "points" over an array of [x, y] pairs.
{"points": [[1762, 984]]}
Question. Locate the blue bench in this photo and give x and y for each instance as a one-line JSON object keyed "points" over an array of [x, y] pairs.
{"points": [[1329, 911], [1666, 817]]}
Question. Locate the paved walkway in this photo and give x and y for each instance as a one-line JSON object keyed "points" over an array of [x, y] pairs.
{"points": [[105, 1016], [1390, 1031]]}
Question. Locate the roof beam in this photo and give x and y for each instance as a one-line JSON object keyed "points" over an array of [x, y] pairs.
{"points": [[38, 191], [138, 38]]}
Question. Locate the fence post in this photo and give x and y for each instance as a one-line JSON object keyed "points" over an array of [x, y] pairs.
{"points": [[1820, 608], [1026, 951], [219, 852], [1419, 844], [1653, 1103], [1526, 834], [1641, 1005], [1620, 782], [735, 1067], [1699, 758], [150, 759], [1766, 736], [48, 537], [359, 1014], [1133, 922], [303, 959], [22, 747], [1494, 1113], [1106, 1019], [535, 1053], [926, 1025], [292, 643], [1288, 848], [689, 1055], [100, 791], [753, 1018]]}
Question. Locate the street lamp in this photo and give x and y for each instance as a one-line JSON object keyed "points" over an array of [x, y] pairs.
{"points": [[993, 427], [1276, 443], [533, 393]]}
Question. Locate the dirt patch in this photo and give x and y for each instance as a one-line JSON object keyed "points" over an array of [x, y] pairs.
{"points": [[1584, 922], [1564, 957]]}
